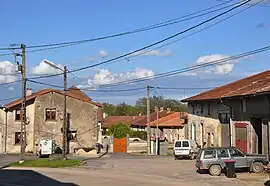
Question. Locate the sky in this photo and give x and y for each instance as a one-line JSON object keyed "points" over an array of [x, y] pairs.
{"points": [[44, 22]]}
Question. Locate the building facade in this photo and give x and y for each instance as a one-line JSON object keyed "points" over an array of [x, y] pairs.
{"points": [[44, 111], [242, 109]]}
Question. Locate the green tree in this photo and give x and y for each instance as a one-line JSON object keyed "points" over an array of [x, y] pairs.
{"points": [[160, 101], [120, 130]]}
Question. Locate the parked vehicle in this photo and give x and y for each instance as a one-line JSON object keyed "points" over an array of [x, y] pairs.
{"points": [[185, 148], [212, 159], [46, 148]]}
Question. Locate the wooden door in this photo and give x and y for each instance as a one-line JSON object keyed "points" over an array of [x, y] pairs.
{"points": [[241, 136], [120, 145]]}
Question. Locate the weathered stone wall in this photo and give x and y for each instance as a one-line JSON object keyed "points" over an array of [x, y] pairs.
{"points": [[83, 118], [210, 126], [15, 126], [174, 134]]}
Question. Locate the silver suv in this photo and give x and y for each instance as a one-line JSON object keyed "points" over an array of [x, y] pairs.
{"points": [[212, 159]]}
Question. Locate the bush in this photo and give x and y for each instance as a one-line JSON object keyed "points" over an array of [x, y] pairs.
{"points": [[119, 131], [138, 134]]}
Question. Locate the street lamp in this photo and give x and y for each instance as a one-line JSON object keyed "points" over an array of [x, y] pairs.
{"points": [[64, 142]]}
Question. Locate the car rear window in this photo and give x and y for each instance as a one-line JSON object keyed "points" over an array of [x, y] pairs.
{"points": [[185, 144], [208, 154], [177, 144]]}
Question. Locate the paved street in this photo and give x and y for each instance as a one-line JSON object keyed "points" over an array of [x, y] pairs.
{"points": [[127, 170]]}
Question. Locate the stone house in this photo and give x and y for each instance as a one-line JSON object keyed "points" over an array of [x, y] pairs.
{"points": [[44, 112], [138, 123], [170, 127], [240, 108]]}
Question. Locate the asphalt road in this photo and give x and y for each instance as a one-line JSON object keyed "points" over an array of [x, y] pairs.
{"points": [[125, 170]]}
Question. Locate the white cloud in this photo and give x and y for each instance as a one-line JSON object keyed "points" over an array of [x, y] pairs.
{"points": [[44, 68], [105, 76], [11, 88], [219, 69], [103, 53], [224, 68], [7, 71], [152, 53]]}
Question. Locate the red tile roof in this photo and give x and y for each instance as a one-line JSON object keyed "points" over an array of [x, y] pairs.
{"points": [[73, 92], [171, 120], [153, 117], [258, 83], [113, 120], [133, 120]]}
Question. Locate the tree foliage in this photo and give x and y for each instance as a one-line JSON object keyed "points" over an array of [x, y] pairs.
{"points": [[124, 109], [119, 131]]}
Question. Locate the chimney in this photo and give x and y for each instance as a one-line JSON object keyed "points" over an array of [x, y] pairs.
{"points": [[168, 110], [161, 109], [28, 91]]}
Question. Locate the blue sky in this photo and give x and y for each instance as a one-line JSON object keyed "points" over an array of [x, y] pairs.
{"points": [[41, 22]]}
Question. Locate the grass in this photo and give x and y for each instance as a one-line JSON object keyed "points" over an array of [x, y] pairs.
{"points": [[44, 162]]}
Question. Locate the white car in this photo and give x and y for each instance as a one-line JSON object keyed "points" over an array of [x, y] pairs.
{"points": [[185, 148]]}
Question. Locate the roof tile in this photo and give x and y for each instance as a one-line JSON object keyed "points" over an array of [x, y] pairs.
{"points": [[258, 83]]}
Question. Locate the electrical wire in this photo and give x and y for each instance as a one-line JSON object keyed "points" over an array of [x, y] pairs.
{"points": [[153, 44], [182, 70], [191, 68], [8, 83], [150, 27], [249, 3]]}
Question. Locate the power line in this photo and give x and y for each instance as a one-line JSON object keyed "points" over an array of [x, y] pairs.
{"points": [[186, 69], [248, 3], [150, 27], [8, 83], [191, 68], [153, 44]]}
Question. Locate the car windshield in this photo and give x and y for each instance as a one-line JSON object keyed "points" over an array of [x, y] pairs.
{"points": [[177, 144], [185, 144]]}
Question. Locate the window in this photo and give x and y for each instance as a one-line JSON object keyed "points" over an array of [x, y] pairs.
{"points": [[235, 153], [177, 144], [72, 135], [17, 138], [209, 109], [224, 118], [18, 115], [185, 144], [244, 105], [223, 153], [50, 114], [201, 108], [209, 154]]}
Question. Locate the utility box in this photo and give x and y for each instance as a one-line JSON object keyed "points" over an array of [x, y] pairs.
{"points": [[46, 147]]}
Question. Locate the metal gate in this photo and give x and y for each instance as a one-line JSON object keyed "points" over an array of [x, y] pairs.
{"points": [[120, 145], [241, 136]]}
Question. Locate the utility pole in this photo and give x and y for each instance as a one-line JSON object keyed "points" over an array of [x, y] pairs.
{"points": [[148, 121], [157, 131], [23, 109], [65, 115], [64, 127]]}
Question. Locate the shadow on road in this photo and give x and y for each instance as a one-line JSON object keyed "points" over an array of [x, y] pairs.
{"points": [[27, 177]]}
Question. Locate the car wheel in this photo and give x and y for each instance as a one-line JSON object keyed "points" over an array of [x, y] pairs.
{"points": [[192, 156], [257, 167], [176, 158], [215, 170]]}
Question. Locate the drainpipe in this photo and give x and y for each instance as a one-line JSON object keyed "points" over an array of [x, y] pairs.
{"points": [[230, 127]]}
